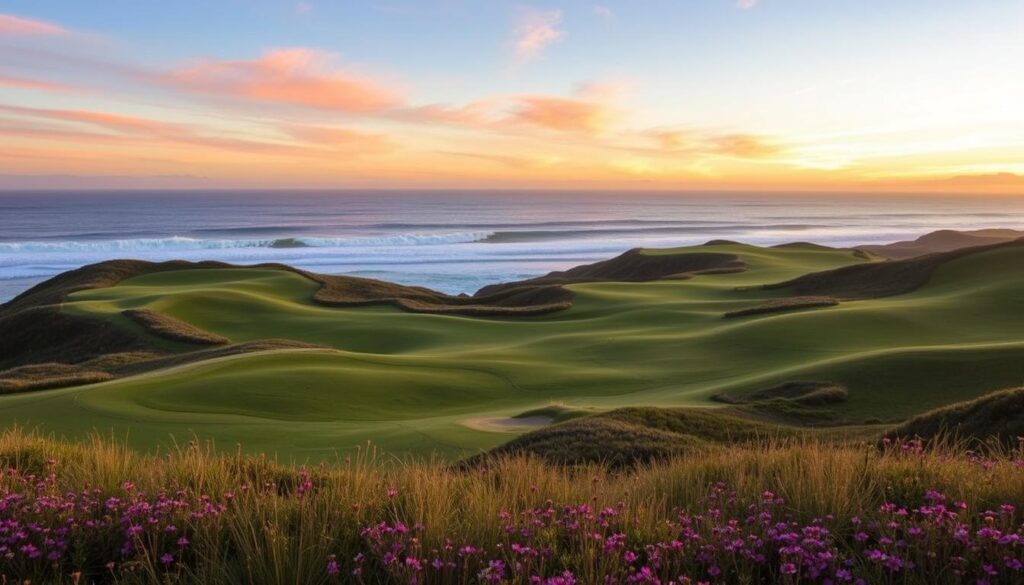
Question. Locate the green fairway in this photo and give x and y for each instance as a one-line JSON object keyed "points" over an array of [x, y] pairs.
{"points": [[410, 382]]}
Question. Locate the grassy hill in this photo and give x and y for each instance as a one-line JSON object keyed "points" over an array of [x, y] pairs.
{"points": [[994, 418], [417, 381]]}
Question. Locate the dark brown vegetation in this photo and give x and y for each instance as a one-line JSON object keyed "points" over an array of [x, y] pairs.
{"points": [[44, 347], [34, 330], [996, 417], [153, 363], [632, 266], [628, 436], [349, 291], [802, 392], [783, 305], [878, 279], [942, 241], [43, 376], [173, 329], [45, 334]]}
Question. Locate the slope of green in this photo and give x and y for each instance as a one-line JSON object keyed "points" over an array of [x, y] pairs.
{"points": [[631, 435], [410, 381], [993, 419]]}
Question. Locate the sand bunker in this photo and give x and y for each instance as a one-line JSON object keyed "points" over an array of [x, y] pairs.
{"points": [[507, 424]]}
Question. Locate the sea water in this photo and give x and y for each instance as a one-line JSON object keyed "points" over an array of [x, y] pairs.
{"points": [[452, 241]]}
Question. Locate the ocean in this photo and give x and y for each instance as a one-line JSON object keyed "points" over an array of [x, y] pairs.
{"points": [[454, 241]]}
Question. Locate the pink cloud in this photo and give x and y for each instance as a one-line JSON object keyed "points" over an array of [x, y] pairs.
{"points": [[535, 32], [24, 83], [340, 139], [95, 127], [714, 143], [563, 114], [113, 122], [745, 4], [297, 76], [15, 25], [744, 146]]}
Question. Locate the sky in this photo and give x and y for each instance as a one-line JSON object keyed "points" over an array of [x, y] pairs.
{"points": [[774, 95]]}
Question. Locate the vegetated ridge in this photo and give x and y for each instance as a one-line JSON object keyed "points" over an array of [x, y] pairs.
{"points": [[879, 279]]}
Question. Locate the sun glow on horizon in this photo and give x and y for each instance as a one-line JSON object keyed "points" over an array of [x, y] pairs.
{"points": [[668, 95]]}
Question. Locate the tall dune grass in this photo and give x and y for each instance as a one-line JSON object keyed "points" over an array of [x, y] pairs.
{"points": [[100, 512]]}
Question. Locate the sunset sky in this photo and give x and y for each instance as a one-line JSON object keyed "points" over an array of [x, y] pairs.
{"points": [[872, 95]]}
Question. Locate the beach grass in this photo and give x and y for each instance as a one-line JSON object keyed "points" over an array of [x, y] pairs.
{"points": [[193, 514]]}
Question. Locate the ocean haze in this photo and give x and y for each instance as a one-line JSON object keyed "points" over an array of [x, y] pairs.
{"points": [[452, 241]]}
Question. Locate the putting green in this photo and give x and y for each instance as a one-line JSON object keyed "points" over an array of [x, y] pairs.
{"points": [[409, 381]]}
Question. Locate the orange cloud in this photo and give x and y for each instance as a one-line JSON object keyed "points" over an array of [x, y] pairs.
{"points": [[297, 76], [563, 114], [107, 121], [339, 139], [744, 146], [25, 83], [705, 142], [535, 32], [15, 25]]}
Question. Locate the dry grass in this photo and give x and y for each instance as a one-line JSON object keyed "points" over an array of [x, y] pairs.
{"points": [[632, 266], [782, 305], [272, 536], [173, 329], [347, 291], [879, 279], [44, 376], [997, 417], [638, 435]]}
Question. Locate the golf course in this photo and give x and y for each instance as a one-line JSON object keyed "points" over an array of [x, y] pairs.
{"points": [[277, 372]]}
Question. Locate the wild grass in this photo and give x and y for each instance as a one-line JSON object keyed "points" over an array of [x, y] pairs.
{"points": [[782, 305], [43, 376], [192, 515], [173, 329]]}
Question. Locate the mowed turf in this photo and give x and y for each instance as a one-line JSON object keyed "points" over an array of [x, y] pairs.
{"points": [[409, 381]]}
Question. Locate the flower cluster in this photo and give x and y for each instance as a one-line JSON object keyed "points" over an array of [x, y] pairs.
{"points": [[727, 541], [46, 532]]}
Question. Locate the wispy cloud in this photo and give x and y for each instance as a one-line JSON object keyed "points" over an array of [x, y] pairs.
{"points": [[704, 142], [295, 76], [303, 7], [351, 142], [16, 25], [562, 114], [533, 34], [745, 4], [35, 84], [603, 11]]}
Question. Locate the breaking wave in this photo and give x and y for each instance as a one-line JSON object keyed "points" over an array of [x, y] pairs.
{"points": [[185, 243]]}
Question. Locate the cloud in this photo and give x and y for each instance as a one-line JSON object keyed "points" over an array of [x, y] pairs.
{"points": [[295, 76], [303, 7], [603, 11], [15, 25], [112, 122], [713, 143], [25, 83], [744, 146], [93, 127], [563, 114], [536, 30], [1005, 179], [746, 4], [351, 142], [589, 112], [107, 127]]}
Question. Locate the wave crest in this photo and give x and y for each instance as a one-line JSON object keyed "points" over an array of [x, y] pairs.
{"points": [[185, 243]]}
